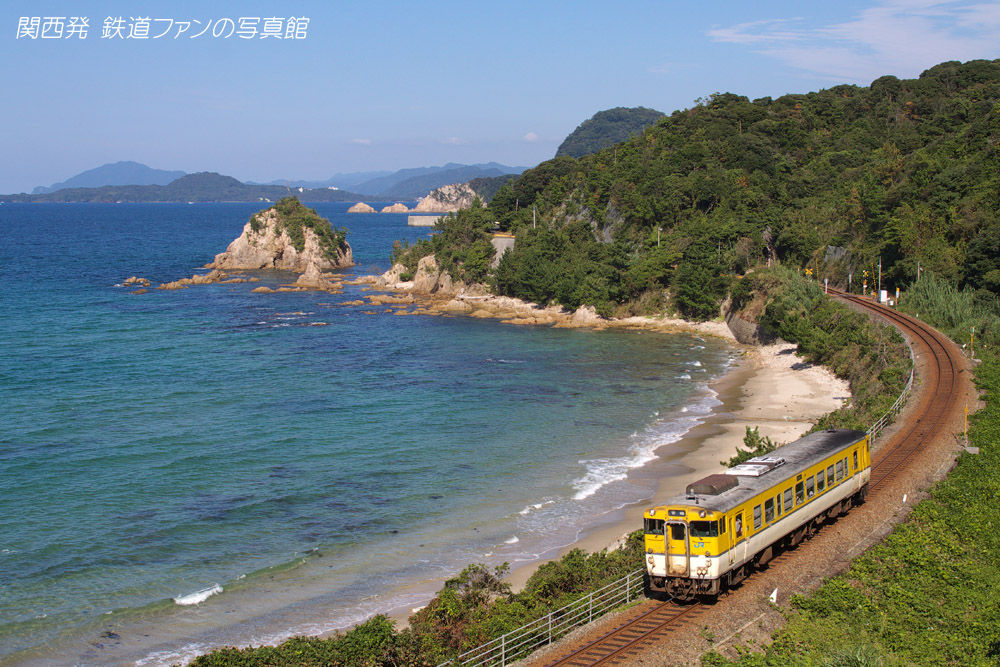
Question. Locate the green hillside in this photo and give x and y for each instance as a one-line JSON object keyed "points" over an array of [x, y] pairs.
{"points": [[606, 128], [905, 171]]}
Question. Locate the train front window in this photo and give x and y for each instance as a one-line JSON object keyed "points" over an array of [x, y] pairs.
{"points": [[704, 529], [653, 526], [677, 531]]}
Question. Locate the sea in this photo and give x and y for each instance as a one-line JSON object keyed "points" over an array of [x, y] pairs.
{"points": [[183, 470]]}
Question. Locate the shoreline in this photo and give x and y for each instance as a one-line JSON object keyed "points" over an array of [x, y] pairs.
{"points": [[745, 395]]}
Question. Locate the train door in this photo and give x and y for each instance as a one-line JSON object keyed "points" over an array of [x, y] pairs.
{"points": [[732, 542], [739, 540], [677, 548]]}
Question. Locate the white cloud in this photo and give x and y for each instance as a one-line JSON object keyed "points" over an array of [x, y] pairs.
{"points": [[663, 68], [362, 142], [454, 141], [531, 137], [900, 37]]}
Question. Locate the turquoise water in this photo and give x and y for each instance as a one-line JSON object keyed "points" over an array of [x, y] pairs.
{"points": [[308, 460]]}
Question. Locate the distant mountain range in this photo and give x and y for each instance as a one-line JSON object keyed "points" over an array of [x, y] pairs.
{"points": [[118, 173], [132, 181], [200, 187]]}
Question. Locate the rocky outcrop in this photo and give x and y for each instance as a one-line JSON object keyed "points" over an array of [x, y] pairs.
{"points": [[266, 244], [361, 207], [447, 199], [214, 276], [431, 291], [395, 208]]}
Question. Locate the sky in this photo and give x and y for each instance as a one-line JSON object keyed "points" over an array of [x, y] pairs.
{"points": [[380, 85]]}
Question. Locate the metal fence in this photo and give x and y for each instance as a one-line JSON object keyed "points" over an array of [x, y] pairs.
{"points": [[887, 418], [518, 643]]}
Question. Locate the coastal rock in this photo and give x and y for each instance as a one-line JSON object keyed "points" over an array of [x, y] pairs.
{"points": [[361, 207], [395, 208], [135, 280], [584, 317], [447, 199], [425, 280], [312, 278], [213, 276], [266, 244]]}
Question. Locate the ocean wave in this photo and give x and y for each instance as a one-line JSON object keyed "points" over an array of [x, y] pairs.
{"points": [[603, 471], [198, 596], [536, 506], [513, 540], [181, 656], [683, 376]]}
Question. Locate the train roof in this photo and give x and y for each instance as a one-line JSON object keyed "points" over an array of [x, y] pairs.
{"points": [[724, 491]]}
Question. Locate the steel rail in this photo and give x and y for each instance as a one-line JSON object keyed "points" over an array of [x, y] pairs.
{"points": [[939, 382]]}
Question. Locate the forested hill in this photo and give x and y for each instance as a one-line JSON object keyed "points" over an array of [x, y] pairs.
{"points": [[902, 170], [606, 128]]}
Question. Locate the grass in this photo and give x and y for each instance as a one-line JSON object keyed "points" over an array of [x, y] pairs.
{"points": [[929, 594]]}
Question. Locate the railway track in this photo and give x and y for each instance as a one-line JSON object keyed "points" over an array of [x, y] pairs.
{"points": [[938, 363]]}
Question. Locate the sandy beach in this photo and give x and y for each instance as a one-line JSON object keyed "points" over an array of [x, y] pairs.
{"points": [[771, 388]]}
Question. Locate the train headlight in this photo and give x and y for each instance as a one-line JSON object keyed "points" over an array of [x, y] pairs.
{"points": [[702, 513]]}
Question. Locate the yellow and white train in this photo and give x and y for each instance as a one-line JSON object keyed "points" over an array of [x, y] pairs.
{"points": [[727, 524]]}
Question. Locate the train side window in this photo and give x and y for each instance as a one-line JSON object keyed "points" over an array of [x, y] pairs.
{"points": [[820, 482], [769, 510], [788, 499], [677, 531], [810, 486], [829, 476], [722, 526], [855, 459], [756, 517], [653, 526], [800, 493], [777, 504], [847, 472], [840, 470]]}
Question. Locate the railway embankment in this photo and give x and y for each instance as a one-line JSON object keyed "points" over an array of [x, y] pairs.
{"points": [[928, 592]]}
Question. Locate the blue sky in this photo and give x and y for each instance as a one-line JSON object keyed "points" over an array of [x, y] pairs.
{"points": [[388, 85]]}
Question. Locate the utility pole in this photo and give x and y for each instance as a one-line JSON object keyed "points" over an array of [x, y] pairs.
{"points": [[879, 279], [658, 236], [918, 270], [850, 277], [532, 217]]}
